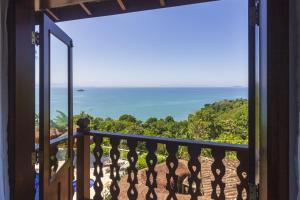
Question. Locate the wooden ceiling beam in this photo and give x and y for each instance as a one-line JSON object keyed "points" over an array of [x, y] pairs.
{"points": [[111, 7], [121, 4], [86, 10], [52, 14], [48, 4], [162, 3]]}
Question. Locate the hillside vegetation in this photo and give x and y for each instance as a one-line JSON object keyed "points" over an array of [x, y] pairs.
{"points": [[222, 121]]}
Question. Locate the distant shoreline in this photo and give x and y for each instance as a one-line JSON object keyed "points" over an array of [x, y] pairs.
{"points": [[159, 102], [158, 87], [150, 87]]}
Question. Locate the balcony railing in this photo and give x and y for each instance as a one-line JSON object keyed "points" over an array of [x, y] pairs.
{"points": [[194, 188], [54, 148]]}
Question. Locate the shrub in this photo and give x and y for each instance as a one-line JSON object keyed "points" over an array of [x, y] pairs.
{"points": [[142, 163]]}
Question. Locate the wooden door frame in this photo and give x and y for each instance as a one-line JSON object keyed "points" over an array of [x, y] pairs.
{"points": [[274, 99], [20, 22], [47, 26], [273, 85]]}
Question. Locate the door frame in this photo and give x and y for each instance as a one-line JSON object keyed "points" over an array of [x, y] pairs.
{"points": [[252, 94], [63, 175], [273, 85], [21, 94], [274, 99]]}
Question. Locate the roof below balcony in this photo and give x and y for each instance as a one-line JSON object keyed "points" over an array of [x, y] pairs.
{"points": [[63, 10]]}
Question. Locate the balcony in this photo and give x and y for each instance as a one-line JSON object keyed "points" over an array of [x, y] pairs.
{"points": [[209, 171]]}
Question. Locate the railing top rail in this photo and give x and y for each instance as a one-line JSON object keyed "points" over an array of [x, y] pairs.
{"points": [[54, 141], [58, 139], [164, 140]]}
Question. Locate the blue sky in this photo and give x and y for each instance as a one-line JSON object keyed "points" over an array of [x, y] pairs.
{"points": [[195, 45]]}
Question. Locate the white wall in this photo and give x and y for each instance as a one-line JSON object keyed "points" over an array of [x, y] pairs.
{"points": [[4, 184]]}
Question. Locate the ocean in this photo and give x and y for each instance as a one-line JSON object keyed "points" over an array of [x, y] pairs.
{"points": [[141, 102]]}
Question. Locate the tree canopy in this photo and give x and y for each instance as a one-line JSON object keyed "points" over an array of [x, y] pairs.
{"points": [[223, 121]]}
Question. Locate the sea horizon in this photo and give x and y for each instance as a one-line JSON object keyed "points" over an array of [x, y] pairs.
{"points": [[82, 87], [141, 102], [78, 87]]}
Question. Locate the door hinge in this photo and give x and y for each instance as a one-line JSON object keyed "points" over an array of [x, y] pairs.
{"points": [[35, 38], [253, 191], [34, 158], [254, 13]]}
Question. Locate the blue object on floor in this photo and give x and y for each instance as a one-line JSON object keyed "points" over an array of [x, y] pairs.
{"points": [[37, 186]]}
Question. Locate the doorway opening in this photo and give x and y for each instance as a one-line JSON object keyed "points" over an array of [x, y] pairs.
{"points": [[179, 84]]}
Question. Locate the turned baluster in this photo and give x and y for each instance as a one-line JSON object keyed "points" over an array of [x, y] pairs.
{"points": [[132, 157], [194, 166], [218, 170], [172, 164], [242, 172], [98, 167], [53, 159], [114, 168], [151, 160]]}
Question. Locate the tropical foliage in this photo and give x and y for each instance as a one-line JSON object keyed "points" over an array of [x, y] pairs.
{"points": [[60, 122], [222, 121]]}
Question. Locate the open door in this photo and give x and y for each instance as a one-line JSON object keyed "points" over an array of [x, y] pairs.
{"points": [[56, 127], [253, 97]]}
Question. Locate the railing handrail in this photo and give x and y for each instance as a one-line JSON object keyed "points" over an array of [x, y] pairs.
{"points": [[59, 139], [165, 140], [54, 141]]}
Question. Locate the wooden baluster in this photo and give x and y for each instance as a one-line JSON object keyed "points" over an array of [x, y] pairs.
{"points": [[83, 159], [194, 166], [172, 164], [218, 170], [151, 160], [98, 167], [53, 159], [242, 172], [132, 157], [114, 168]]}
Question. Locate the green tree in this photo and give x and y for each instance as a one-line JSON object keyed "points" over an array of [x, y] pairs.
{"points": [[128, 118], [225, 120], [60, 122]]}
